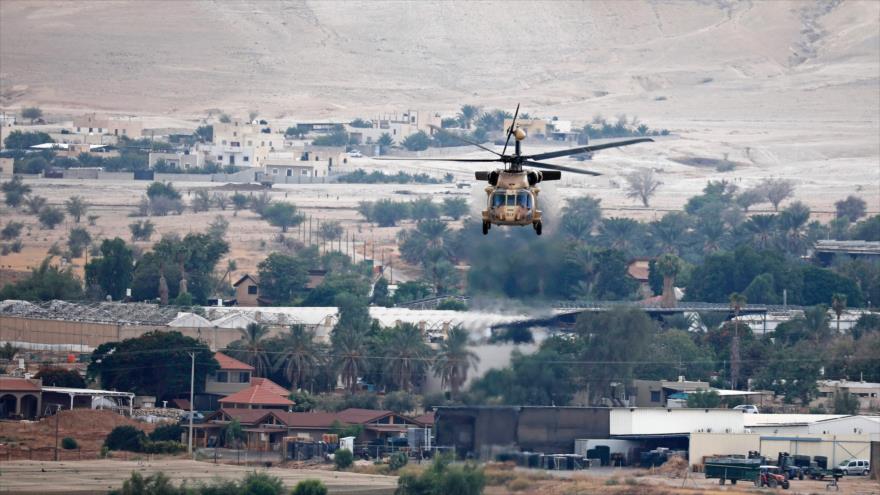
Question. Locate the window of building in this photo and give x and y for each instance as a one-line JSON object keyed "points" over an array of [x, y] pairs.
{"points": [[244, 377], [289, 172], [246, 158], [252, 290], [305, 172], [655, 396], [224, 141], [220, 158], [274, 171], [250, 143], [90, 129], [222, 377]]}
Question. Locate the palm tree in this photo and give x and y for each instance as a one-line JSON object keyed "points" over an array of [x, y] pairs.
{"points": [[583, 258], [619, 233], [670, 232], [838, 304], [407, 356], [467, 115], [350, 356], [454, 360], [761, 227], [252, 348], [737, 303], [669, 266], [793, 221], [301, 356], [77, 207], [816, 322]]}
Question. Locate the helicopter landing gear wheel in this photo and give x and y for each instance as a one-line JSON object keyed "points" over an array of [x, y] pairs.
{"points": [[538, 226], [486, 227]]}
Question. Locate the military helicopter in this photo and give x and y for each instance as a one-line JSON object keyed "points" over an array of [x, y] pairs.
{"points": [[512, 195]]}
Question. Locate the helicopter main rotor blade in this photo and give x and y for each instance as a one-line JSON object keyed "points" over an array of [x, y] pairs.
{"points": [[584, 149], [456, 136], [417, 159], [510, 129], [561, 168]]}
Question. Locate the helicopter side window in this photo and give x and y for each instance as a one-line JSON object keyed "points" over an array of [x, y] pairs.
{"points": [[524, 199], [498, 199]]}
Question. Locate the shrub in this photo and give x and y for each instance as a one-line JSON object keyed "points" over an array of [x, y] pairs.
{"points": [[309, 487], [343, 459], [68, 443], [519, 484], [397, 461], [261, 484], [125, 438], [162, 447], [167, 432]]}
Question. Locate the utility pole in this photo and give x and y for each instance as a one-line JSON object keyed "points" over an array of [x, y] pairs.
{"points": [[192, 383], [57, 410]]}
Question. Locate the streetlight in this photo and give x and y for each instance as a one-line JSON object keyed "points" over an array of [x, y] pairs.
{"points": [[192, 382]]}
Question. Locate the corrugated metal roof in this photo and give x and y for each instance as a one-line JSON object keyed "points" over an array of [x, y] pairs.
{"points": [[786, 419]]}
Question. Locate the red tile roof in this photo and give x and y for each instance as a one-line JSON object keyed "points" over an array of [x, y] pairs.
{"points": [[244, 416], [11, 384], [262, 392], [269, 385], [228, 363], [321, 420], [426, 419], [361, 416]]}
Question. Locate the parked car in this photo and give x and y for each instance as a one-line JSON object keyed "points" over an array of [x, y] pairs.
{"points": [[855, 466], [355, 154], [747, 408], [197, 417]]}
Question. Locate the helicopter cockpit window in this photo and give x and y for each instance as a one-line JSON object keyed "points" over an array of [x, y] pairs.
{"points": [[524, 199], [498, 199]]}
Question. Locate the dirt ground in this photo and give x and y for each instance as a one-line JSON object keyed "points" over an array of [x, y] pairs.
{"points": [[99, 476], [88, 427], [625, 481]]}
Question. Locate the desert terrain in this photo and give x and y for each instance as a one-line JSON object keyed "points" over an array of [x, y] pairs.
{"points": [[781, 89]]}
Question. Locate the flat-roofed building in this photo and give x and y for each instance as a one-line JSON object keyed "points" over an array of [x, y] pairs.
{"points": [[182, 160]]}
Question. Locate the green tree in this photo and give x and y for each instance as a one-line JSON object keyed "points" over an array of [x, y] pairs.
{"points": [[455, 208], [233, 434], [77, 240], [337, 138], [201, 201], [467, 115], [330, 231], [11, 230], [424, 209], [253, 348], [704, 399], [407, 357], [17, 140], [580, 216], [417, 142], [310, 487], [385, 141], [76, 207], [343, 459], [261, 203], [669, 266], [125, 437], [350, 351], [160, 189], [50, 217], [31, 113], [282, 277], [34, 204], [454, 360], [283, 215], [777, 191], [239, 202], [45, 283], [194, 258], [846, 403], [386, 213], [141, 230], [853, 208], [737, 303], [399, 402], [838, 304], [161, 360], [60, 377], [301, 356]]}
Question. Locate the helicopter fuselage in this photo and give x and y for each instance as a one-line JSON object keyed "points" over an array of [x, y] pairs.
{"points": [[511, 199]]}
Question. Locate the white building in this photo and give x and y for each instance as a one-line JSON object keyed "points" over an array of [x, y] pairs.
{"points": [[398, 126], [182, 160]]}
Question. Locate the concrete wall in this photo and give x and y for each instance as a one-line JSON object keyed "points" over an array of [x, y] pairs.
{"points": [[554, 429], [836, 448], [84, 337], [656, 420]]}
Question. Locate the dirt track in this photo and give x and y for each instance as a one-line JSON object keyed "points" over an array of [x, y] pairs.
{"points": [[100, 476]]}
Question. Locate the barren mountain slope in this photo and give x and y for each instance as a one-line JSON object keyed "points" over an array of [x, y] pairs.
{"points": [[719, 59]]}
